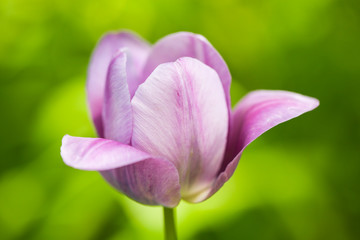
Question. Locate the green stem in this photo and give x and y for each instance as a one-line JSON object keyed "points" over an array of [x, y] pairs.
{"points": [[169, 224]]}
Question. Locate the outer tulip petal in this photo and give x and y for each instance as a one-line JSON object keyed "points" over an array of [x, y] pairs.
{"points": [[185, 44], [153, 182], [256, 113], [180, 114], [98, 154], [138, 50], [117, 111]]}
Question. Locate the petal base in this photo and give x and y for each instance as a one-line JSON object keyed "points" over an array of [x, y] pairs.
{"points": [[151, 182]]}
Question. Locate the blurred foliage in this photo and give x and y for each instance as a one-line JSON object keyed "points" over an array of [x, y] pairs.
{"points": [[301, 181]]}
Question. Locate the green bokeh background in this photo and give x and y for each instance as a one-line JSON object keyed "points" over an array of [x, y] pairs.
{"points": [[299, 181]]}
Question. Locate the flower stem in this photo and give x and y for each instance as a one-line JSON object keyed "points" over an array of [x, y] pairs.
{"points": [[169, 224]]}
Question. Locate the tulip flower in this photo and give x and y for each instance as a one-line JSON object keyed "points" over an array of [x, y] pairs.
{"points": [[166, 130]]}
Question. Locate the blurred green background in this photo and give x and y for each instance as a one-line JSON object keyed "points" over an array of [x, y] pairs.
{"points": [[300, 181]]}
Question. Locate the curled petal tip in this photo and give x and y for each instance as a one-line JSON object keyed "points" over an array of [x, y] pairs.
{"points": [[255, 114], [98, 154]]}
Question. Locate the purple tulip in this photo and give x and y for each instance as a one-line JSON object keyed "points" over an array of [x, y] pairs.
{"points": [[163, 115]]}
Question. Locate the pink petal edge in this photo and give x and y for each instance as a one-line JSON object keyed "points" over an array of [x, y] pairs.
{"points": [[187, 44], [105, 50], [98, 154], [256, 113], [152, 181], [117, 110]]}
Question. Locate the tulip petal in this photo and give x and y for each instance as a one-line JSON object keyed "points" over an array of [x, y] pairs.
{"points": [[180, 114], [98, 154], [105, 50], [148, 180], [256, 113], [153, 182], [117, 113], [185, 44]]}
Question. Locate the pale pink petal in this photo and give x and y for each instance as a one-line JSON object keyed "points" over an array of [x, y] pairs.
{"points": [[153, 182], [117, 113], [185, 44], [147, 180], [180, 114], [256, 113], [105, 50], [98, 154]]}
